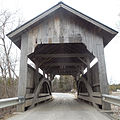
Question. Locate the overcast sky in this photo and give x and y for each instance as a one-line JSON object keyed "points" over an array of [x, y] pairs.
{"points": [[104, 11]]}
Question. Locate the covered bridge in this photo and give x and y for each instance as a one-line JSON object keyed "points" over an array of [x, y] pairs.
{"points": [[62, 41]]}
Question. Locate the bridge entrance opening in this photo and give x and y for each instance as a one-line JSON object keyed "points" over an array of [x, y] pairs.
{"points": [[67, 60]]}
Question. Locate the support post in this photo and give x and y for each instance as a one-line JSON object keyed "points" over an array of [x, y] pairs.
{"points": [[36, 75], [77, 79], [23, 70], [88, 70], [49, 78], [102, 74], [82, 70], [43, 73]]}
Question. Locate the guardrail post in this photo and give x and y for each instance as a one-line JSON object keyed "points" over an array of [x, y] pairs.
{"points": [[21, 99]]}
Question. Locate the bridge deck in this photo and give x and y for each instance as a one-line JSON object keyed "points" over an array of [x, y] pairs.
{"points": [[63, 107]]}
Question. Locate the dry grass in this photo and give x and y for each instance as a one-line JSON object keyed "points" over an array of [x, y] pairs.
{"points": [[116, 109], [7, 112]]}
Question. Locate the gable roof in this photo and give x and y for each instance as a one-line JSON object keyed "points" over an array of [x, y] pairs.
{"points": [[18, 31]]}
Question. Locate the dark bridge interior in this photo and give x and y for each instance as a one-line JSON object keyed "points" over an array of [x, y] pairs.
{"points": [[61, 59]]}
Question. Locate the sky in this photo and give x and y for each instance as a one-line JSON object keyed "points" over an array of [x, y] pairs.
{"points": [[104, 11]]}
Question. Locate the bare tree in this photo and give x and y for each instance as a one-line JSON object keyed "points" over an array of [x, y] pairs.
{"points": [[4, 18], [7, 63]]}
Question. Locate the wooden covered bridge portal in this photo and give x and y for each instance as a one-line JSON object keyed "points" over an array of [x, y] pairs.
{"points": [[62, 41]]}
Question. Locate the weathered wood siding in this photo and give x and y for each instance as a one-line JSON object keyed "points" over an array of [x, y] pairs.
{"points": [[31, 79], [62, 28], [95, 83]]}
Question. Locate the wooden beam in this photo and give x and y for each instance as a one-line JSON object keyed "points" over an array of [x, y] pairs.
{"points": [[65, 70], [36, 92], [31, 95], [95, 99], [36, 76], [82, 70], [62, 64], [62, 55], [90, 91], [64, 73], [77, 79], [22, 83], [29, 102], [82, 61], [62, 69], [95, 94], [102, 74], [88, 71]]}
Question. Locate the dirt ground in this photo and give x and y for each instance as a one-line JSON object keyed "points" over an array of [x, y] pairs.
{"points": [[6, 112]]}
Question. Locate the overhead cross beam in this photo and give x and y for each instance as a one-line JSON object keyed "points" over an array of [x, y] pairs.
{"points": [[64, 72], [83, 61], [62, 64], [62, 55]]}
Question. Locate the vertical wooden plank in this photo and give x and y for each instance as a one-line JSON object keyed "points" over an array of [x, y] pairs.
{"points": [[43, 73], [31, 77], [23, 70], [36, 76], [33, 39], [56, 26], [88, 70], [97, 81], [77, 79], [102, 74]]}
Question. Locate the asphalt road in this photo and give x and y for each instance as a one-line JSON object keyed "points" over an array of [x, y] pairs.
{"points": [[63, 107]]}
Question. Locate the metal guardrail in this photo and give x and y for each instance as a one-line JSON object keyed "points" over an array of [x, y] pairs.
{"points": [[11, 101], [111, 99], [19, 100]]}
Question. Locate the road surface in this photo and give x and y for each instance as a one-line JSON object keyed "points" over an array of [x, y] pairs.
{"points": [[63, 107]]}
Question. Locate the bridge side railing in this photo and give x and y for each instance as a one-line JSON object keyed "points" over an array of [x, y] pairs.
{"points": [[7, 102], [115, 100]]}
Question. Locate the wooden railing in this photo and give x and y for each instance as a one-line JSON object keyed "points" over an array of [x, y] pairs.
{"points": [[96, 97]]}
